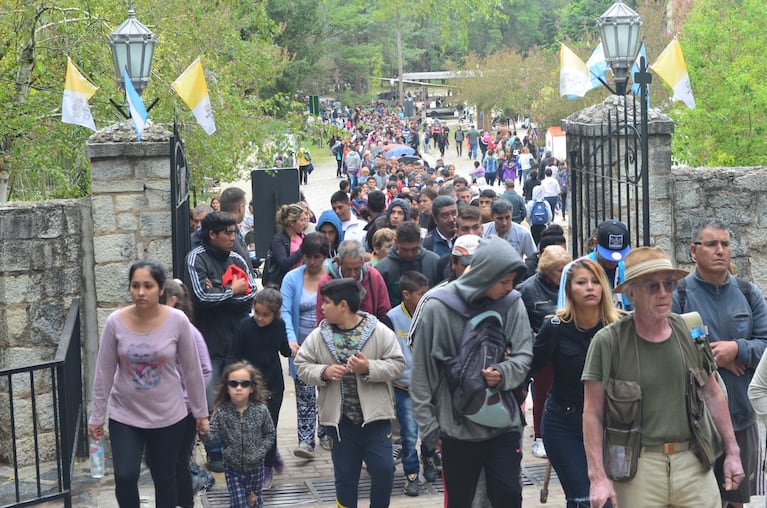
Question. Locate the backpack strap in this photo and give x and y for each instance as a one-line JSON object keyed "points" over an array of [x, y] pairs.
{"points": [[458, 304]]}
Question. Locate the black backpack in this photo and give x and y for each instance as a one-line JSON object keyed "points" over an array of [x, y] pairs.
{"points": [[272, 274], [483, 343]]}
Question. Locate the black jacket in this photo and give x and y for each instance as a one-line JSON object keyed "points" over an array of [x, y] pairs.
{"points": [[217, 311]]}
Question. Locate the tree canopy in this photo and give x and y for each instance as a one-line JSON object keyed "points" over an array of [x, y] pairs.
{"points": [[262, 57]]}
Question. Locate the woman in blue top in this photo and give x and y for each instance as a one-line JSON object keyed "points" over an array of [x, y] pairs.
{"points": [[491, 167], [299, 311]]}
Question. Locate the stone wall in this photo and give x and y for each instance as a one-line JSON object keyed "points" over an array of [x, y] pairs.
{"points": [[738, 196], [131, 207], [46, 260]]}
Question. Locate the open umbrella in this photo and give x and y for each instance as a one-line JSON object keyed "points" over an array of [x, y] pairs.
{"points": [[399, 151]]}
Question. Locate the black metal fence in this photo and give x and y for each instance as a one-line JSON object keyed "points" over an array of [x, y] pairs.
{"points": [[45, 414], [609, 177], [179, 206]]}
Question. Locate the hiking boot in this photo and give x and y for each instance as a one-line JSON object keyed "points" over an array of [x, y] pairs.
{"points": [[411, 485], [538, 449], [429, 469], [326, 443], [267, 479], [304, 451]]}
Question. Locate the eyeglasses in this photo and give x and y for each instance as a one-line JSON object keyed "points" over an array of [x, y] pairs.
{"points": [[652, 287], [233, 383], [713, 244]]}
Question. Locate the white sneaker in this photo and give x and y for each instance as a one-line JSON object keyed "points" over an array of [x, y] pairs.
{"points": [[538, 448]]}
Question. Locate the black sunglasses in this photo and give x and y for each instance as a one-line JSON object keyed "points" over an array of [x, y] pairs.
{"points": [[233, 383]]}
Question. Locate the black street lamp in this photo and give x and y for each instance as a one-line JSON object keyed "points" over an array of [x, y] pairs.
{"points": [[619, 30], [132, 47]]}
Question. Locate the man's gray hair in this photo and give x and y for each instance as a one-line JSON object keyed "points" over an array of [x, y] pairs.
{"points": [[351, 248], [500, 205], [708, 223], [202, 208]]}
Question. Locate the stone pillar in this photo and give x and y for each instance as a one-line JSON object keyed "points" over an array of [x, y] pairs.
{"points": [[130, 185], [589, 127]]}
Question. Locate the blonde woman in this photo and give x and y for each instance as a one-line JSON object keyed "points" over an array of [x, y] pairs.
{"points": [[291, 222], [563, 340]]}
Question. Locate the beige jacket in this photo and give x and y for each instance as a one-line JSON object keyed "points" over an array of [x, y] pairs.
{"points": [[386, 363]]}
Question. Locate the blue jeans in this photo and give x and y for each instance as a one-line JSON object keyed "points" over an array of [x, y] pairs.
{"points": [[524, 175], [371, 443], [472, 150], [408, 431], [563, 437], [353, 179]]}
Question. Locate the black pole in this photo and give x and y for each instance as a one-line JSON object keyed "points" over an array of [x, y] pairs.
{"points": [[644, 78]]}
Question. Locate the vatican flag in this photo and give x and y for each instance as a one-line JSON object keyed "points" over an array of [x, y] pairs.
{"points": [[191, 87], [672, 69], [77, 91], [574, 76]]}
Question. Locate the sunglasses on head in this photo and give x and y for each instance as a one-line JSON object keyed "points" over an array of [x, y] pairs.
{"points": [[233, 383]]}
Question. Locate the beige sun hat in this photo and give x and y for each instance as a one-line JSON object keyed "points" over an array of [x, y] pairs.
{"points": [[644, 261]]}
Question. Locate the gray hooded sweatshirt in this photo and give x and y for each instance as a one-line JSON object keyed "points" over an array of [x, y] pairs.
{"points": [[437, 332]]}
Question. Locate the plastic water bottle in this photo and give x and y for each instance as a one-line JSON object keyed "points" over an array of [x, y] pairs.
{"points": [[97, 458]]}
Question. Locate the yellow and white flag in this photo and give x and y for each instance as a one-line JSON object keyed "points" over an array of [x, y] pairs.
{"points": [[672, 69], [574, 76], [77, 91], [191, 87]]}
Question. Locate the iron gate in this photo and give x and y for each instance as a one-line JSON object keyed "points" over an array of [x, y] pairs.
{"points": [[609, 176], [179, 203]]}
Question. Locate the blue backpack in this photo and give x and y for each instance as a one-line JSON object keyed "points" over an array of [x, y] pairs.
{"points": [[539, 215]]}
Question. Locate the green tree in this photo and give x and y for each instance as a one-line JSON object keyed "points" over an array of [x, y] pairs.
{"points": [[724, 61], [47, 159]]}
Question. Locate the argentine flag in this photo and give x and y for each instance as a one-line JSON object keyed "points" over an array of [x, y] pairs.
{"points": [[136, 105], [635, 69]]}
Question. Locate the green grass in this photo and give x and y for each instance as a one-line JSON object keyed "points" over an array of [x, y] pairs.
{"points": [[320, 154]]}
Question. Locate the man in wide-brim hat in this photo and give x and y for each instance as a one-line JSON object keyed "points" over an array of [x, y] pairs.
{"points": [[652, 348]]}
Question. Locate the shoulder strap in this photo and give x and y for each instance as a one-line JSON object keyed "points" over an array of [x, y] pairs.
{"points": [[745, 288], [681, 289], [453, 301], [457, 303]]}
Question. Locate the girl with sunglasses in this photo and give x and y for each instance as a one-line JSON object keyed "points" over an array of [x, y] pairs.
{"points": [[242, 421], [260, 339]]}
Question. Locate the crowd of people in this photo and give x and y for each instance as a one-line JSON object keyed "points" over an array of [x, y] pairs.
{"points": [[375, 302]]}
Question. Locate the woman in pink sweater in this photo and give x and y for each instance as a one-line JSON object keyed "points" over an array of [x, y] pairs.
{"points": [[137, 376]]}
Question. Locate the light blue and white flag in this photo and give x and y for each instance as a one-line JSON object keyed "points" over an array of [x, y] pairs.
{"points": [[635, 69], [136, 105], [597, 66]]}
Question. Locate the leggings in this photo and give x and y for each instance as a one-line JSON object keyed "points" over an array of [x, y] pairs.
{"points": [[128, 444]]}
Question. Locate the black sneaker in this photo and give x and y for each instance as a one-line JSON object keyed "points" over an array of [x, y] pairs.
{"points": [[411, 485], [397, 454], [429, 469]]}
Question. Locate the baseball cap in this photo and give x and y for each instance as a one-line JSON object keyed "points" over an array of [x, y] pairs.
{"points": [[613, 240], [464, 248]]}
